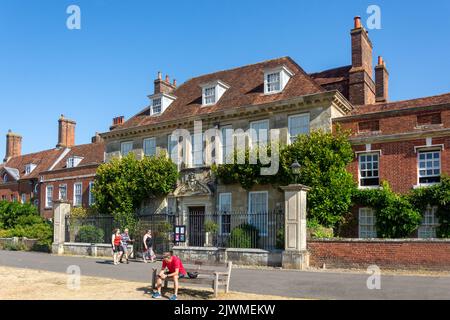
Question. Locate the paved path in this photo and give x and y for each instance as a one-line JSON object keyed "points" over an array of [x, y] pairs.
{"points": [[316, 285]]}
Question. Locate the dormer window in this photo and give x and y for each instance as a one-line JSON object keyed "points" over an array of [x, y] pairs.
{"points": [[273, 82], [29, 168], [73, 162], [212, 92], [156, 106], [210, 95], [276, 79], [160, 102]]}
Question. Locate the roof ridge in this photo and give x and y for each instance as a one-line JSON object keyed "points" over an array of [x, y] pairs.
{"points": [[33, 153], [326, 70], [237, 68], [406, 100]]}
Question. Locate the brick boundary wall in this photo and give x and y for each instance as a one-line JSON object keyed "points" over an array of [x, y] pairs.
{"points": [[390, 254]]}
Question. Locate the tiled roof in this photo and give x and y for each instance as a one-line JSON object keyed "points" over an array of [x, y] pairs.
{"points": [[246, 88], [43, 161], [92, 153], [331, 75], [402, 105]]}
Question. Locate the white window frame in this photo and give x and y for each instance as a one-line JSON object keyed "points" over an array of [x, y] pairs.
{"points": [[75, 195], [433, 167], [49, 196], [23, 198], [256, 140], [62, 186], [223, 212], [209, 99], [157, 104], [270, 84], [291, 138], [91, 195], [73, 162], [195, 151], [262, 232], [365, 213], [179, 157], [427, 230], [5, 178], [146, 151], [228, 145], [360, 169], [29, 168], [122, 147]]}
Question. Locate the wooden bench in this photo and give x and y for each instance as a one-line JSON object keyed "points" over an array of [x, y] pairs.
{"points": [[216, 276]]}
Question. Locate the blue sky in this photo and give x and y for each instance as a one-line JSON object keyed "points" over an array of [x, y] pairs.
{"points": [[107, 68]]}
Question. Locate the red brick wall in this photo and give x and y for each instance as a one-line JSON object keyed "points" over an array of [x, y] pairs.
{"points": [[69, 178], [17, 189], [398, 160], [389, 254]]}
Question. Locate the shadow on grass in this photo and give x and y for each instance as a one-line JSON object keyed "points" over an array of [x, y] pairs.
{"points": [[184, 294]]}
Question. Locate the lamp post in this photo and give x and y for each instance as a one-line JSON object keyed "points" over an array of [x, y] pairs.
{"points": [[296, 167]]}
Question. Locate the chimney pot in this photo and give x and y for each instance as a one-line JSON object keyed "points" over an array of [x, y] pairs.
{"points": [[159, 75], [357, 22], [174, 82], [13, 146], [167, 78], [381, 81], [66, 133]]}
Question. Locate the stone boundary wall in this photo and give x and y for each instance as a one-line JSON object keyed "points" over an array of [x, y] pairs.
{"points": [[28, 243], [214, 255], [87, 249], [417, 254]]}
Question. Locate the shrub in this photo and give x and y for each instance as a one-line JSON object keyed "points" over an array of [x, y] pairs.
{"points": [[437, 195], [15, 246], [91, 234], [396, 217], [211, 226], [280, 239], [244, 236], [315, 230]]}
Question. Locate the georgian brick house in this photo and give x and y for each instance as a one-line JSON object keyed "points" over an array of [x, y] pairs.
{"points": [[397, 138], [63, 173]]}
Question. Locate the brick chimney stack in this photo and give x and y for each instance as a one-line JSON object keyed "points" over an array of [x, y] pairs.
{"points": [[97, 138], [381, 81], [117, 122], [66, 133], [13, 146], [163, 86], [361, 84]]}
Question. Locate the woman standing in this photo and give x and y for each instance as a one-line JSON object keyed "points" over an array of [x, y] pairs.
{"points": [[148, 246], [116, 245]]}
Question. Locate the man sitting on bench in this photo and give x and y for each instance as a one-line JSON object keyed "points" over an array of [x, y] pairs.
{"points": [[175, 271]]}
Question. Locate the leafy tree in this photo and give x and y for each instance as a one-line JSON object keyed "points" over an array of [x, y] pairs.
{"points": [[122, 184], [23, 220]]}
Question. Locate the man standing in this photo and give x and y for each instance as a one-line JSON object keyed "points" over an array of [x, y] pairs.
{"points": [[175, 271]]}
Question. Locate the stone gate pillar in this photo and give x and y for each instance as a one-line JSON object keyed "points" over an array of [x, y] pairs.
{"points": [[296, 255], [61, 209]]}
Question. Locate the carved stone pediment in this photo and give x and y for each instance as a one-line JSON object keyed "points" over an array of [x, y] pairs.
{"points": [[191, 185]]}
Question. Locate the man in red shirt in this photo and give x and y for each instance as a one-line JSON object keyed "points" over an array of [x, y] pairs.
{"points": [[175, 271]]}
